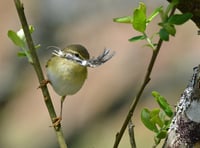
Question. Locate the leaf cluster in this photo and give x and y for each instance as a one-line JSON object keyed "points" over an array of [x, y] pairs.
{"points": [[19, 39], [139, 21], [158, 120]]}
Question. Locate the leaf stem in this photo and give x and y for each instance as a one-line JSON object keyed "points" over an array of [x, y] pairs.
{"points": [[149, 41], [38, 70]]}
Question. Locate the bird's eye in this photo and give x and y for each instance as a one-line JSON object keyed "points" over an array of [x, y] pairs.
{"points": [[77, 55]]}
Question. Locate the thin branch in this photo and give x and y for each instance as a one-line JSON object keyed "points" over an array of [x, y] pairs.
{"points": [[138, 95], [137, 98], [38, 70], [131, 134]]}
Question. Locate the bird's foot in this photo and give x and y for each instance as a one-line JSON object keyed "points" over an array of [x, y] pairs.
{"points": [[43, 83], [57, 121]]}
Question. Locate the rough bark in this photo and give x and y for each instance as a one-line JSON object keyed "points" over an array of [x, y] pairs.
{"points": [[184, 131]]}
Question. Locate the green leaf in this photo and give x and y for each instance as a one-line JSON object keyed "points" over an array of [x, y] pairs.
{"points": [[155, 118], [139, 18], [164, 35], [25, 53], [162, 116], [155, 94], [125, 19], [146, 119], [21, 54], [161, 134], [31, 29], [154, 13], [179, 19], [155, 112], [163, 104], [170, 29], [167, 123], [136, 38], [16, 39]]}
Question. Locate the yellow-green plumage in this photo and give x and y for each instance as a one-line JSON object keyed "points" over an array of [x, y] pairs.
{"points": [[66, 76]]}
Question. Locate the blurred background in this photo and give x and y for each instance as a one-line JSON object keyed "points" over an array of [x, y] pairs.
{"points": [[93, 116]]}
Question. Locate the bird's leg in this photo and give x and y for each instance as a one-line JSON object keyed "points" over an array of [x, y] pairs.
{"points": [[61, 105], [57, 120]]}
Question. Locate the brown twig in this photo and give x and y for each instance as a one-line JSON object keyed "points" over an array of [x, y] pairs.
{"points": [[131, 134], [39, 73]]}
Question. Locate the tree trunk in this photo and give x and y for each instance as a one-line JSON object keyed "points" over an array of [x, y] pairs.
{"points": [[184, 131]]}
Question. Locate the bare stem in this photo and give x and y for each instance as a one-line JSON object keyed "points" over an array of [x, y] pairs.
{"points": [[131, 134], [39, 73]]}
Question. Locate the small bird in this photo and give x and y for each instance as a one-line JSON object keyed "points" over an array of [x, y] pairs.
{"points": [[67, 70]]}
